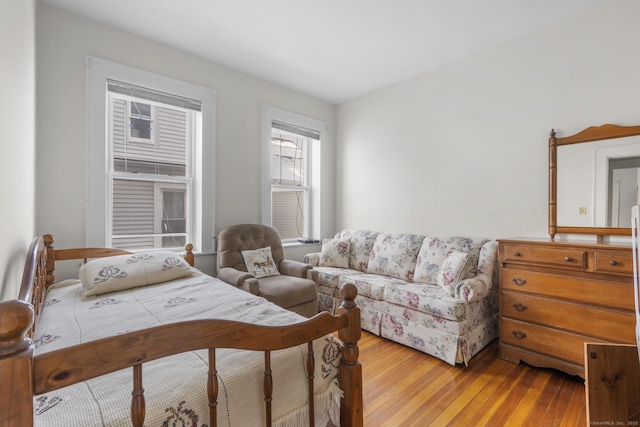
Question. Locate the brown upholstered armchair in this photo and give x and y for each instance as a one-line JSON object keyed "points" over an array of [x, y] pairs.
{"points": [[294, 288]]}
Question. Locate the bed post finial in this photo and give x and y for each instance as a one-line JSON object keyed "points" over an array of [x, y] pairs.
{"points": [[16, 359], [189, 257], [350, 368]]}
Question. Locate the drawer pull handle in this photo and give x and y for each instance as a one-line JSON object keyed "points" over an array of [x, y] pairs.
{"points": [[568, 259], [520, 307], [516, 254], [519, 334], [519, 281], [613, 262]]}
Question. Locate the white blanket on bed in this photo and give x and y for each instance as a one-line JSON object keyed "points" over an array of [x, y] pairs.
{"points": [[175, 387]]}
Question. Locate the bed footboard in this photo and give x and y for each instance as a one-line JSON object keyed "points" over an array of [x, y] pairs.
{"points": [[24, 375], [17, 327]]}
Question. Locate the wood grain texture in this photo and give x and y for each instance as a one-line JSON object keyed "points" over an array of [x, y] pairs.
{"points": [[612, 384], [403, 387]]}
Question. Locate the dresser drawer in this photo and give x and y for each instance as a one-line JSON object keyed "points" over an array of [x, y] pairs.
{"points": [[610, 325], [572, 258], [540, 339], [596, 292], [613, 262]]}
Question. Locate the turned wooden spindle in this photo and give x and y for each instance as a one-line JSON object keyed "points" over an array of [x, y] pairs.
{"points": [[212, 388], [311, 367], [138, 408], [268, 386]]}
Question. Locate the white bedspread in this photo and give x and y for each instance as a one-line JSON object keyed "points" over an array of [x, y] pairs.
{"points": [[175, 387]]}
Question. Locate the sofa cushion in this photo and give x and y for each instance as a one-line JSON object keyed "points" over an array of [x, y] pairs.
{"points": [[360, 248], [371, 285], [335, 253], [288, 291], [395, 255], [329, 276], [429, 299], [434, 250], [451, 271]]}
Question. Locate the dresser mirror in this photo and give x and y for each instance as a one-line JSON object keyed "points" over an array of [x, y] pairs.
{"points": [[594, 178]]}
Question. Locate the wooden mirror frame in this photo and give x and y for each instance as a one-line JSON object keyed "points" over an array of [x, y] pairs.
{"points": [[593, 133]]}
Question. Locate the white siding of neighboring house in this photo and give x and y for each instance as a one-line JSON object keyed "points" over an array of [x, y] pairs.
{"points": [[133, 212], [134, 201], [172, 134]]}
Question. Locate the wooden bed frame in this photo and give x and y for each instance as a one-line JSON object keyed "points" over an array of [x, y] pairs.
{"points": [[24, 375]]}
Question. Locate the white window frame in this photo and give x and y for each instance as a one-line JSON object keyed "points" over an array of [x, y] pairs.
{"points": [[159, 189], [316, 158], [153, 137], [202, 202]]}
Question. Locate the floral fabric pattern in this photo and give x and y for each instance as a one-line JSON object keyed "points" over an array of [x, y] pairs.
{"points": [[395, 255], [451, 271], [451, 348], [488, 260], [335, 253], [370, 314], [330, 276], [452, 323], [428, 299], [328, 303], [360, 249], [435, 250], [371, 285], [313, 259]]}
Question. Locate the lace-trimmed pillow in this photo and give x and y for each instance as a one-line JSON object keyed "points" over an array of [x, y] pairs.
{"points": [[259, 262], [335, 253], [451, 271], [121, 272]]}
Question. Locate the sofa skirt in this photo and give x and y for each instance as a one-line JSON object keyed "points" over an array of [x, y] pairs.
{"points": [[451, 341]]}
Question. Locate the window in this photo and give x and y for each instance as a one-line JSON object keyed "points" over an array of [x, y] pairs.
{"points": [[150, 170], [148, 147], [294, 196], [140, 122]]}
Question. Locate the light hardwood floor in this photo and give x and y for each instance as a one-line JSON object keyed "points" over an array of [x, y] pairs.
{"points": [[403, 387]]}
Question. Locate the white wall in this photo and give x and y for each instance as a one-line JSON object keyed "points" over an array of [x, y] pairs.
{"points": [[17, 139], [63, 40], [464, 149]]}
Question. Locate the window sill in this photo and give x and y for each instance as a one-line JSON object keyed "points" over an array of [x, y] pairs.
{"points": [[299, 244]]}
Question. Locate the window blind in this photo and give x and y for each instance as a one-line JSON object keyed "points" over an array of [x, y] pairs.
{"points": [[153, 95], [296, 130]]}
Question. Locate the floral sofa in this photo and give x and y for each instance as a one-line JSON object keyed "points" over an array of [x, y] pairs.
{"points": [[436, 295]]}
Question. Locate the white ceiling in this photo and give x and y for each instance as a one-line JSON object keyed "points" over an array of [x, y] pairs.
{"points": [[334, 50]]}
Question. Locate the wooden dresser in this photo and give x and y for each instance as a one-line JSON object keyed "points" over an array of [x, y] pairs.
{"points": [[555, 296]]}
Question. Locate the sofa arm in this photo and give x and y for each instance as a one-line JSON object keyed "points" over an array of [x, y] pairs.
{"points": [[294, 268], [488, 260], [240, 279], [313, 259], [475, 288], [313, 275]]}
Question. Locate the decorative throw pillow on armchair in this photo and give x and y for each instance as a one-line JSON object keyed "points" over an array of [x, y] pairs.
{"points": [[260, 262]]}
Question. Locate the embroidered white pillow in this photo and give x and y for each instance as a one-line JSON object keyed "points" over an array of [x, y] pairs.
{"points": [[335, 253], [451, 271], [259, 262], [121, 272]]}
